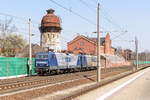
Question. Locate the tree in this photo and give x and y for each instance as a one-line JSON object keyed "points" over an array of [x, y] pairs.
{"points": [[7, 27], [11, 44]]}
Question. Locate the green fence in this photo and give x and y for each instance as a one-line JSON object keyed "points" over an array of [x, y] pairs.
{"points": [[12, 66], [142, 62]]}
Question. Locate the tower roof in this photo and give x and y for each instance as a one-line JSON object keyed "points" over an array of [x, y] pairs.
{"points": [[50, 19]]}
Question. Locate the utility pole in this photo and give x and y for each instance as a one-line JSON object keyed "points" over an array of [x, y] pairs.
{"points": [[136, 50], [41, 40], [30, 50], [98, 47]]}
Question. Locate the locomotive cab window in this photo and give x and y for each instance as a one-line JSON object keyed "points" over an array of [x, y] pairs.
{"points": [[42, 56]]}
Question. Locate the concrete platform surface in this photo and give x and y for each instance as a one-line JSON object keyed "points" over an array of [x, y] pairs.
{"points": [[132, 87]]}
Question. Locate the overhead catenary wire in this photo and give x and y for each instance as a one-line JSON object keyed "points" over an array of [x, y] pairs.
{"points": [[77, 14], [106, 18], [24, 32], [88, 6], [73, 12], [122, 30], [21, 28], [20, 18], [4, 14], [124, 40], [110, 18], [84, 18], [91, 9], [119, 35], [116, 25]]}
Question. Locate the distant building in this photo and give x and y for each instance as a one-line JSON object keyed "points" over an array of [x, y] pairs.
{"points": [[24, 52], [88, 45], [50, 31], [127, 54]]}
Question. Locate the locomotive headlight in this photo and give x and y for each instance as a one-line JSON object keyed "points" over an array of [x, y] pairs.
{"points": [[37, 64]]}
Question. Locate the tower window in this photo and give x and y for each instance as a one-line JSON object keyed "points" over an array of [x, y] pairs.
{"points": [[48, 36], [53, 35]]}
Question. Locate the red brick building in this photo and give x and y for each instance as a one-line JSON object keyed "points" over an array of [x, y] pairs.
{"points": [[127, 54], [87, 45]]}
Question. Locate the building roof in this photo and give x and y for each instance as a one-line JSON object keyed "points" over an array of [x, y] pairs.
{"points": [[90, 39]]}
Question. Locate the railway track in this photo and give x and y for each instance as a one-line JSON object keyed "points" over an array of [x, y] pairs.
{"points": [[8, 86], [103, 82], [28, 82], [38, 81], [32, 78]]}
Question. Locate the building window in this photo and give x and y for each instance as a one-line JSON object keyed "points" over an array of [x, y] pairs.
{"points": [[75, 48], [81, 43], [53, 36]]}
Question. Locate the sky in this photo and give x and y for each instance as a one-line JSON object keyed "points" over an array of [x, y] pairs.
{"points": [[116, 17]]}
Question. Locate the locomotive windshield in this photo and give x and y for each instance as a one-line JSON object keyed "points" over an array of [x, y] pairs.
{"points": [[42, 56]]}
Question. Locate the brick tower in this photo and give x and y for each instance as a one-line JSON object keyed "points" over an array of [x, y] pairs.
{"points": [[107, 44], [50, 31]]}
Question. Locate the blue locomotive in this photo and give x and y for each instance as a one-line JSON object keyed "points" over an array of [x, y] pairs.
{"points": [[52, 62]]}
